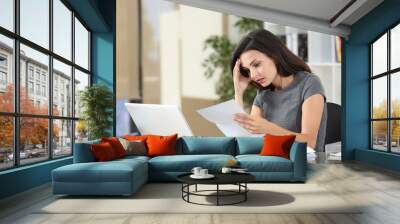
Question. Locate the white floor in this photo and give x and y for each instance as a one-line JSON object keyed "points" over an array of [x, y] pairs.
{"points": [[378, 189]]}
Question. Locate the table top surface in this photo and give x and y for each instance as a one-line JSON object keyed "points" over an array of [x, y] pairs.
{"points": [[220, 178]]}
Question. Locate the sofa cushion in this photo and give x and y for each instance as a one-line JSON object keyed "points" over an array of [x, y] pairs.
{"points": [[185, 163], [111, 171], [134, 147], [206, 145], [249, 145], [136, 137], [103, 152], [159, 145], [116, 145], [132, 158], [275, 145], [257, 163]]}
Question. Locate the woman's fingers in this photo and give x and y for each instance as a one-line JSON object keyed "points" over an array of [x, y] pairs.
{"points": [[248, 127], [248, 122], [245, 126], [240, 116], [244, 119], [236, 69], [238, 62]]}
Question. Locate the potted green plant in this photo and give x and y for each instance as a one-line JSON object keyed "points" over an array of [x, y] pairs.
{"points": [[96, 103]]}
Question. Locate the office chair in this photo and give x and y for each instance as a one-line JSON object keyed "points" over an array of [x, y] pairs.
{"points": [[333, 124]]}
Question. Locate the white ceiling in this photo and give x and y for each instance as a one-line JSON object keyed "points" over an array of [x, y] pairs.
{"points": [[321, 9], [315, 15]]}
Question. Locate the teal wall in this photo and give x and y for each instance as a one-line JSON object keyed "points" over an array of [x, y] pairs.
{"points": [[381, 159], [355, 85], [99, 15], [356, 102], [102, 59], [102, 64], [24, 178], [103, 53], [91, 12]]}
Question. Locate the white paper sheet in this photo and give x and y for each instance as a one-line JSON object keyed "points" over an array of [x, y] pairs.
{"points": [[222, 116], [159, 119], [233, 130]]}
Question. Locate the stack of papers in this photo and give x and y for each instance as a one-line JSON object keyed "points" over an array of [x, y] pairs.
{"points": [[334, 151], [311, 156], [222, 116], [335, 156]]}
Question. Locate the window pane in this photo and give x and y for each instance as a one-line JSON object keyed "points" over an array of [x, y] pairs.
{"points": [[33, 139], [62, 29], [379, 135], [379, 98], [395, 138], [6, 142], [7, 14], [395, 47], [62, 141], [379, 55], [6, 74], [35, 21], [81, 131], [81, 45], [34, 97], [81, 81], [62, 89], [395, 94]]}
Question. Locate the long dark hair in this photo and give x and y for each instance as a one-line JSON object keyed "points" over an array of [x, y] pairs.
{"points": [[264, 41]]}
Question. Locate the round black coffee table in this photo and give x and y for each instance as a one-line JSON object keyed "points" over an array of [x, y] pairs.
{"points": [[238, 179]]}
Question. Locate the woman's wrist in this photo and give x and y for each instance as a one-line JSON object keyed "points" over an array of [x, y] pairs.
{"points": [[238, 92], [239, 99]]}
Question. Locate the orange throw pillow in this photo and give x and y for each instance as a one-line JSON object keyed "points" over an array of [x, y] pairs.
{"points": [[136, 137], [116, 145], [103, 152], [277, 145], [161, 145]]}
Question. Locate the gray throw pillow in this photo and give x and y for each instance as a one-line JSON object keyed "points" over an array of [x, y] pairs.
{"points": [[136, 147]]}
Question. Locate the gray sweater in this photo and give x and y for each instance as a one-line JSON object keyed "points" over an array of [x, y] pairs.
{"points": [[284, 107]]}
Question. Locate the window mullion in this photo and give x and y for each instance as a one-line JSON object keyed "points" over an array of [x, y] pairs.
{"points": [[389, 106], [73, 82], [16, 84], [50, 81], [371, 124]]}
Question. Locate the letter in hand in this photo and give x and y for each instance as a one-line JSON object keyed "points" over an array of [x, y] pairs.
{"points": [[253, 124]]}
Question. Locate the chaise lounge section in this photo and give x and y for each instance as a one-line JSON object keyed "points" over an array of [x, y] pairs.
{"points": [[125, 176], [88, 177]]}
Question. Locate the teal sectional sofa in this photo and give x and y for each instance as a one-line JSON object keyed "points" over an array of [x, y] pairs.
{"points": [[125, 176]]}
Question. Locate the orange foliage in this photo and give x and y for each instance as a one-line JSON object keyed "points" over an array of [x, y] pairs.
{"points": [[33, 130]]}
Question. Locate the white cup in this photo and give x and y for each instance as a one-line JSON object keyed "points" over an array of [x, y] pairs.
{"points": [[196, 171], [226, 170], [203, 172]]}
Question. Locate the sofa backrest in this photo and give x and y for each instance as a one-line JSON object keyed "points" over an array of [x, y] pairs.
{"points": [[83, 152], [192, 145], [249, 145]]}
